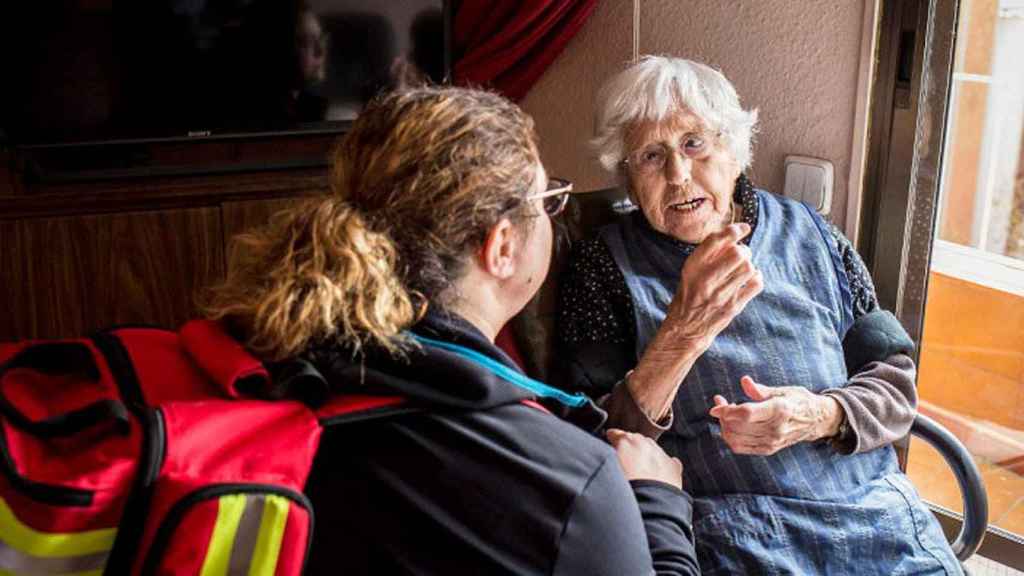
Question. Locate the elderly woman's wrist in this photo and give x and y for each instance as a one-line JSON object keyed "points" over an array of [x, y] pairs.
{"points": [[656, 379], [677, 347], [831, 417]]}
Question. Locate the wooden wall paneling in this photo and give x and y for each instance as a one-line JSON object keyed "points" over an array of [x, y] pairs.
{"points": [[7, 247], [157, 193], [16, 296], [69, 276], [239, 216], [40, 279], [162, 260]]}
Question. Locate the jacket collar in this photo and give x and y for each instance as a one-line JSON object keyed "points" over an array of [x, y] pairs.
{"points": [[452, 366]]}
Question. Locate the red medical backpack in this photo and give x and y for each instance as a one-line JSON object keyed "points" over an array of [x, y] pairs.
{"points": [[141, 451]]}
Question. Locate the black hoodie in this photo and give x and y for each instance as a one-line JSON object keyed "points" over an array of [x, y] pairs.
{"points": [[477, 482]]}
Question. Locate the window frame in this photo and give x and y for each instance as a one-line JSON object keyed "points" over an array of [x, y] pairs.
{"points": [[899, 215]]}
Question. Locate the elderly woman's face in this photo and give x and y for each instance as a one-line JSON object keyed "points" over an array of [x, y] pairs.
{"points": [[682, 176]]}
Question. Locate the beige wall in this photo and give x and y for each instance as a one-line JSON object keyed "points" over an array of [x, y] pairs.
{"points": [[562, 101], [795, 60]]}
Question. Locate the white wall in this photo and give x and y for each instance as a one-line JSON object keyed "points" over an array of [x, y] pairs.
{"points": [[795, 60]]}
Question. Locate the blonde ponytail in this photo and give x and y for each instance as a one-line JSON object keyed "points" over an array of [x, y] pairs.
{"points": [[316, 273], [417, 182]]}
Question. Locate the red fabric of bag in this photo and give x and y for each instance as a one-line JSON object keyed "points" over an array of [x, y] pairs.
{"points": [[221, 357], [99, 459], [165, 371], [261, 444]]}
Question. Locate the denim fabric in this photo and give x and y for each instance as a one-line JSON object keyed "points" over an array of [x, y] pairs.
{"points": [[805, 509]]}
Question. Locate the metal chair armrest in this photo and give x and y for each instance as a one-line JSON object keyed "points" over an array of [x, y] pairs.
{"points": [[972, 490]]}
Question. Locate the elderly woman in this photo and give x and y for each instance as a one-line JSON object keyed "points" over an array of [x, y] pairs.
{"points": [[723, 318], [436, 233]]}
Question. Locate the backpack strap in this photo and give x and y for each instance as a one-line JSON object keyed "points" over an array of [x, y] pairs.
{"points": [[223, 359], [357, 408], [348, 408], [61, 359]]}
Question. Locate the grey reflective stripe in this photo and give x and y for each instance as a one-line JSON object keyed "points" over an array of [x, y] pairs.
{"points": [[246, 535], [18, 562]]}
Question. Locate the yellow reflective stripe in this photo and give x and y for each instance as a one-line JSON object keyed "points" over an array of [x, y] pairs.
{"points": [[24, 538], [268, 543], [218, 552], [89, 573]]}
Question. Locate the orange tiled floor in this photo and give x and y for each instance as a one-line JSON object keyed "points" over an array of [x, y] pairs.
{"points": [[936, 484]]}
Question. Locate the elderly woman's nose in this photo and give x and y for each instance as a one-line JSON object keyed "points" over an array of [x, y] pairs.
{"points": [[678, 169]]}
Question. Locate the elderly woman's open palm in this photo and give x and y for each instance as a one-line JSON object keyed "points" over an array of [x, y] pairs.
{"points": [[777, 418]]}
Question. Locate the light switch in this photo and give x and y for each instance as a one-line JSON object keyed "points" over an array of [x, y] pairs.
{"points": [[810, 180]]}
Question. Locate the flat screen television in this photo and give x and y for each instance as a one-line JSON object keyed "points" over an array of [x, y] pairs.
{"points": [[85, 72]]}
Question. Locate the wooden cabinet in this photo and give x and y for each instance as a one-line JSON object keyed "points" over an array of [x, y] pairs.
{"points": [[72, 262], [239, 216], [68, 275]]}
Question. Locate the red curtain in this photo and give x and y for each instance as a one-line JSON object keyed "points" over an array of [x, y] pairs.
{"points": [[507, 44]]}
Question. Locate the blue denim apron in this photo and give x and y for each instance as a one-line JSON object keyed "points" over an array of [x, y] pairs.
{"points": [[805, 509]]}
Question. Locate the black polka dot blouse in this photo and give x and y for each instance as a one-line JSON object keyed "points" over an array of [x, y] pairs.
{"points": [[595, 306]]}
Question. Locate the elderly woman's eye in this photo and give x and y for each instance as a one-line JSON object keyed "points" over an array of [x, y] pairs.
{"points": [[652, 155], [694, 144]]}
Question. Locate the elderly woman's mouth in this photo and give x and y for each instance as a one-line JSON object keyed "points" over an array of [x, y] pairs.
{"points": [[689, 205]]}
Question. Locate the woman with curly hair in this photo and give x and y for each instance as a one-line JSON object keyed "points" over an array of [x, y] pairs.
{"points": [[436, 233]]}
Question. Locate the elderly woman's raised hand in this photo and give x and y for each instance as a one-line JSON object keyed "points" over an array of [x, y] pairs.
{"points": [[717, 281], [642, 459], [777, 418]]}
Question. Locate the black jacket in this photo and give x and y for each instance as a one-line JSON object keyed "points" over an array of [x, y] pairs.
{"points": [[478, 482]]}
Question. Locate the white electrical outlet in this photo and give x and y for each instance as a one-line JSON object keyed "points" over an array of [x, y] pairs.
{"points": [[810, 180]]}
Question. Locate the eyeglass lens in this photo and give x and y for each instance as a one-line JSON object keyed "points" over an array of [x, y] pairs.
{"points": [[654, 157], [554, 205]]}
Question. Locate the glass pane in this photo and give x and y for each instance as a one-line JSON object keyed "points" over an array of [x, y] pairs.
{"points": [[983, 180], [978, 19], [971, 374], [1005, 229], [972, 381], [963, 162]]}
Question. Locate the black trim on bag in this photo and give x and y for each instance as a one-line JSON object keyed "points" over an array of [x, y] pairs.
{"points": [[45, 493], [369, 414], [177, 513], [133, 519], [120, 364], [136, 510], [133, 326], [55, 358]]}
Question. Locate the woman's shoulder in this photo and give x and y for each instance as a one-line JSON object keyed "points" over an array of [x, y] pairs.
{"points": [[509, 444], [548, 440]]}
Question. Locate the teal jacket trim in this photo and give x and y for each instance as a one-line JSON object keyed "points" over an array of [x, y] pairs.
{"points": [[506, 373]]}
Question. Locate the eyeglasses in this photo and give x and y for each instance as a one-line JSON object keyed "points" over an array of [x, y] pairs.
{"points": [[651, 159], [556, 196]]}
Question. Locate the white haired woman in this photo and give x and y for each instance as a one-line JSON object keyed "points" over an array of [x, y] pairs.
{"points": [[736, 327]]}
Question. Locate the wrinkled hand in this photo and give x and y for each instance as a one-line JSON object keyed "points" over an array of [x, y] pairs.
{"points": [[717, 281], [642, 459], [776, 419]]}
